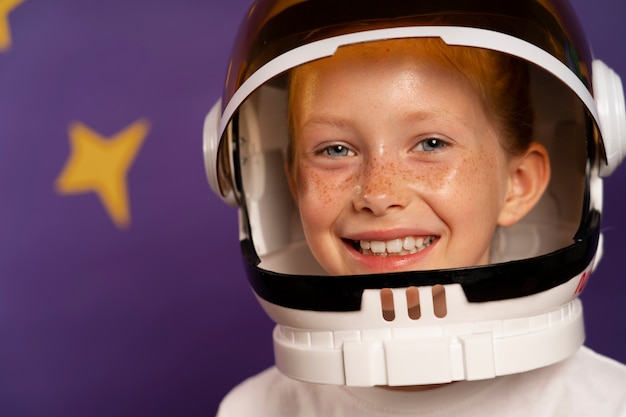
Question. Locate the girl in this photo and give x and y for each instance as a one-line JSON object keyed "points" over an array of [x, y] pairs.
{"points": [[441, 164]]}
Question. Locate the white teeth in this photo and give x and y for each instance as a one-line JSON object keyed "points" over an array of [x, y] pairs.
{"points": [[377, 246], [394, 246], [406, 246]]}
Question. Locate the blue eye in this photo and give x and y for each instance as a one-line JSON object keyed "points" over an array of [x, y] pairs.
{"points": [[336, 151], [432, 144]]}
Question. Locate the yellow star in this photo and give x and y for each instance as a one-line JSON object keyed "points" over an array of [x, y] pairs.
{"points": [[6, 6], [100, 165]]}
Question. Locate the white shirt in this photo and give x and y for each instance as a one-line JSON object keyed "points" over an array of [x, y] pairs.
{"points": [[586, 384]]}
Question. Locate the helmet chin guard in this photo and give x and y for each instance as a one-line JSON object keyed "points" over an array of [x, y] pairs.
{"points": [[520, 312], [432, 353], [471, 323]]}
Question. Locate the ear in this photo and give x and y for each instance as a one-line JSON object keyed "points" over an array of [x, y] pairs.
{"points": [[529, 176]]}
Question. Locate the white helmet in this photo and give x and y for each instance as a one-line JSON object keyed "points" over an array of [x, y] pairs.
{"points": [[520, 312]]}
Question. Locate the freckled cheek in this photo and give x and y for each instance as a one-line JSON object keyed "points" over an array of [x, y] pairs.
{"points": [[452, 187], [472, 188], [432, 180], [319, 192]]}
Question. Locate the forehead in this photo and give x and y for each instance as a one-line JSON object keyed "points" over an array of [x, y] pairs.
{"points": [[407, 69], [424, 54], [393, 51]]}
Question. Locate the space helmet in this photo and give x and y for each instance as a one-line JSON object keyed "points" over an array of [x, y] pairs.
{"points": [[521, 311]]}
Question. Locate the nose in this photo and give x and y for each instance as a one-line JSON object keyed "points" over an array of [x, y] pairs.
{"points": [[380, 188]]}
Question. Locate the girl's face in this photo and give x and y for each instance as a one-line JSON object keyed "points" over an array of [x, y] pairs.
{"points": [[397, 166]]}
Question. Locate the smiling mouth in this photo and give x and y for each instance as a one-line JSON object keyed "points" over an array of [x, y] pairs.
{"points": [[395, 247]]}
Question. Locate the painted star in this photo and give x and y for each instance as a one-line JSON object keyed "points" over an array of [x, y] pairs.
{"points": [[6, 6], [100, 165]]}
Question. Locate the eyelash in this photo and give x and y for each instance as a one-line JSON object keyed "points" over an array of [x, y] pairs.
{"points": [[434, 143], [342, 151], [339, 148]]}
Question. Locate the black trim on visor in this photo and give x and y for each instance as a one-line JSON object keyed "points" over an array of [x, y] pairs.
{"points": [[481, 284]]}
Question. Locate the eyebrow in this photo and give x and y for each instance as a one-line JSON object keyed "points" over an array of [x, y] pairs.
{"points": [[418, 116], [327, 120], [332, 121], [442, 115]]}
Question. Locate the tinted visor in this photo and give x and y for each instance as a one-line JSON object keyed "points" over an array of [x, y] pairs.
{"points": [[526, 258]]}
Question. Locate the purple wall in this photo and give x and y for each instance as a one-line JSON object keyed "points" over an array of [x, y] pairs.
{"points": [[155, 318]]}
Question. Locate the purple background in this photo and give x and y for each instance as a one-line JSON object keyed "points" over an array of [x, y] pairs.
{"points": [[157, 320]]}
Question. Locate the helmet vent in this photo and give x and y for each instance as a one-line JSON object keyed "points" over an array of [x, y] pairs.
{"points": [[439, 301], [386, 302], [413, 303]]}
